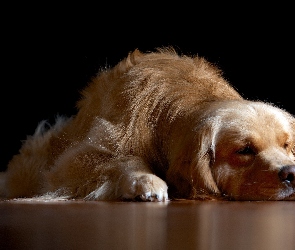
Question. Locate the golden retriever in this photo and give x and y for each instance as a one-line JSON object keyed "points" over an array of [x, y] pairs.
{"points": [[156, 127]]}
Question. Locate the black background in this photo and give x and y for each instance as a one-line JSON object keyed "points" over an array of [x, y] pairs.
{"points": [[49, 53]]}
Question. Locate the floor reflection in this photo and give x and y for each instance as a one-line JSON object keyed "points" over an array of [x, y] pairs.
{"points": [[139, 225]]}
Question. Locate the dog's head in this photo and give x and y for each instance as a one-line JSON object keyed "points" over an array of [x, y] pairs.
{"points": [[240, 150]]}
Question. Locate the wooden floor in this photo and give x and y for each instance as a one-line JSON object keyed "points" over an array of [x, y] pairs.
{"points": [[138, 225]]}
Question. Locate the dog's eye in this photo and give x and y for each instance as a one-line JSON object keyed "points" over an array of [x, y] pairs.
{"points": [[246, 151], [289, 147]]}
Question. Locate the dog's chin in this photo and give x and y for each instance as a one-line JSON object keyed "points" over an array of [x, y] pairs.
{"points": [[268, 195], [290, 197], [285, 195]]}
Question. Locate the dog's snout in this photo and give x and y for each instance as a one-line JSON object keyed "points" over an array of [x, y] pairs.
{"points": [[287, 174]]}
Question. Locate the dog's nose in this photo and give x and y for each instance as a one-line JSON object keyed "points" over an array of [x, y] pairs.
{"points": [[287, 174]]}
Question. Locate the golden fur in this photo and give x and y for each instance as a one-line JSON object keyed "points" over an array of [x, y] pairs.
{"points": [[159, 123]]}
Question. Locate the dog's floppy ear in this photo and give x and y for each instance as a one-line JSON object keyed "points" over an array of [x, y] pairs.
{"points": [[189, 174], [204, 156]]}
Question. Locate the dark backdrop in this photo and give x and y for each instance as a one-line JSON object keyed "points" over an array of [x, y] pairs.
{"points": [[49, 54]]}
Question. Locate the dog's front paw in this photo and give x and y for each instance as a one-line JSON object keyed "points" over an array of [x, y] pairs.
{"points": [[145, 187]]}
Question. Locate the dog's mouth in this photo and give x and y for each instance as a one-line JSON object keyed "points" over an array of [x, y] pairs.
{"points": [[267, 194], [290, 197]]}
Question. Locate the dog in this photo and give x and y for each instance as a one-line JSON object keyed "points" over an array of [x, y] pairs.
{"points": [[159, 126]]}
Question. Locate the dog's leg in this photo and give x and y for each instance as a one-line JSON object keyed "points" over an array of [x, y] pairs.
{"points": [[95, 175], [129, 178]]}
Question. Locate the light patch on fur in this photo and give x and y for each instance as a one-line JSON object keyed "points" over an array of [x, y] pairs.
{"points": [[103, 135], [45, 126], [104, 192]]}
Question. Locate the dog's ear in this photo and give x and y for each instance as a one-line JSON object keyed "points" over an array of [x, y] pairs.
{"points": [[190, 172], [203, 158], [132, 59]]}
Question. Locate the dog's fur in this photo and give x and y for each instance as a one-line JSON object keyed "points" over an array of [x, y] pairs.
{"points": [[159, 123]]}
